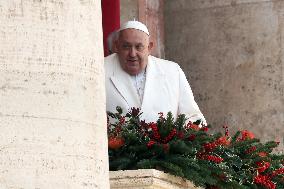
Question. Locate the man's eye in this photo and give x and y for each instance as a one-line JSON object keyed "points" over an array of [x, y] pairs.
{"points": [[139, 47], [126, 46]]}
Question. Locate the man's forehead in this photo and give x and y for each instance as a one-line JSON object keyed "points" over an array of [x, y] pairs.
{"points": [[133, 33]]}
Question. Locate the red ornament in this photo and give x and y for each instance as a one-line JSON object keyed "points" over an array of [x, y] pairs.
{"points": [[115, 142]]}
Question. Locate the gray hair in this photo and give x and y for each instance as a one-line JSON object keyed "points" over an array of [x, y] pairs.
{"points": [[111, 38]]}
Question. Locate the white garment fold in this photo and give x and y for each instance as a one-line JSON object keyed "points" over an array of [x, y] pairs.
{"points": [[139, 84]]}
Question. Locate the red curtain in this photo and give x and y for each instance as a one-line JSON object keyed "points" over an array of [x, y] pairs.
{"points": [[110, 19]]}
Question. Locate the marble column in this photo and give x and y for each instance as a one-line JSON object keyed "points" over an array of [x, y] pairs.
{"points": [[52, 99]]}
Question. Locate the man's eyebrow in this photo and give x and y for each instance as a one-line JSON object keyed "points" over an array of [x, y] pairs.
{"points": [[128, 43]]}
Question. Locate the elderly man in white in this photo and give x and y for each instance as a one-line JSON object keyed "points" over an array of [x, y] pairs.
{"points": [[134, 78]]}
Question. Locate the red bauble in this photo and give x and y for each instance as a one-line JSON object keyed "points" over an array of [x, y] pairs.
{"points": [[115, 142]]}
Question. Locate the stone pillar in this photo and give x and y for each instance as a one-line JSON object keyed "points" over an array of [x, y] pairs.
{"points": [[52, 100], [232, 53]]}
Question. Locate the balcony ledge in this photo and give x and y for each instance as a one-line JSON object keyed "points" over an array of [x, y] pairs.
{"points": [[147, 179]]}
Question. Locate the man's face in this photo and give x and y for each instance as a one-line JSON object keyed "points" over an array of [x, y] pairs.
{"points": [[133, 49]]}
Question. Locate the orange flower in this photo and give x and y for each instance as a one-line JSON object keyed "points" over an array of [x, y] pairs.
{"points": [[262, 154], [115, 142], [247, 135], [194, 126], [223, 141]]}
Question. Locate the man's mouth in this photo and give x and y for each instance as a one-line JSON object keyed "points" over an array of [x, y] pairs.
{"points": [[132, 60]]}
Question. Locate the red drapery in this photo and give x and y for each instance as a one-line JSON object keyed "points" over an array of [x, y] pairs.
{"points": [[110, 19]]}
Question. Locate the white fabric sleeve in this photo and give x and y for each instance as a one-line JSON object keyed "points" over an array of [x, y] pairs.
{"points": [[187, 104]]}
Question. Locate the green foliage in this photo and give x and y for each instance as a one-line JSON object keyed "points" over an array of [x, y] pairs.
{"points": [[187, 150]]}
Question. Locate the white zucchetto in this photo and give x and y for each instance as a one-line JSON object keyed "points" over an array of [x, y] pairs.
{"points": [[135, 25]]}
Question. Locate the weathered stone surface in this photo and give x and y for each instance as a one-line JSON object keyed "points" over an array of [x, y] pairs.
{"points": [[128, 10], [231, 51], [52, 101], [151, 13], [147, 179]]}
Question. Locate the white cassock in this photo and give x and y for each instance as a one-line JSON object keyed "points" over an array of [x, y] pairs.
{"points": [[166, 89]]}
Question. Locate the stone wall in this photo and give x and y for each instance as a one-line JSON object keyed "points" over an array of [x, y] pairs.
{"points": [[128, 10], [232, 53], [52, 100]]}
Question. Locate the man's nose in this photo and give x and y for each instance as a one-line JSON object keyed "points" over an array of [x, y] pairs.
{"points": [[132, 52]]}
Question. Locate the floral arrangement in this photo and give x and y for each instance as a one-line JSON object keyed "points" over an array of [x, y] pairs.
{"points": [[189, 151]]}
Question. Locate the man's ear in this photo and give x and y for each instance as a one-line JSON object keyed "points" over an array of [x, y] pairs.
{"points": [[116, 45], [150, 46]]}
